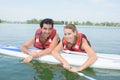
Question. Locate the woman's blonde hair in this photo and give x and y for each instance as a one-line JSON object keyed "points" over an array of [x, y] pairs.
{"points": [[72, 27]]}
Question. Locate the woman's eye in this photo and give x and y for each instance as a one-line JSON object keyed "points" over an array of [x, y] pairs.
{"points": [[65, 34]]}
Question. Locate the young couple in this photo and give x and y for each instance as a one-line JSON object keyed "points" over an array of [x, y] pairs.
{"points": [[47, 39]]}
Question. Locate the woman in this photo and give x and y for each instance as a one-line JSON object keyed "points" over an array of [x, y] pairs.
{"points": [[45, 38], [74, 41]]}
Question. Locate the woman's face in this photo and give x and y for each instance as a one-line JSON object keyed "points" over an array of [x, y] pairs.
{"points": [[69, 35], [46, 30]]}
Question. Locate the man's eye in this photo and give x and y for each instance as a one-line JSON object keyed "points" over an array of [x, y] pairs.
{"points": [[44, 28], [50, 29]]}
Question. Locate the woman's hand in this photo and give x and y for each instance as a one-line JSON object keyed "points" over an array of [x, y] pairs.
{"points": [[75, 69], [66, 66]]}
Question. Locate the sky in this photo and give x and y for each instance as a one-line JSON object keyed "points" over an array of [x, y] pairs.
{"points": [[68, 10]]}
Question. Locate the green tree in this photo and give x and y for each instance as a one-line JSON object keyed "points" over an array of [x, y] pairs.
{"points": [[0, 21]]}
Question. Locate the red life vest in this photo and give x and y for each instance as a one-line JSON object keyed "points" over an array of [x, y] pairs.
{"points": [[77, 45], [38, 43]]}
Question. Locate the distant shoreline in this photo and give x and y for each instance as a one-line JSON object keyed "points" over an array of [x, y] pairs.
{"points": [[87, 23]]}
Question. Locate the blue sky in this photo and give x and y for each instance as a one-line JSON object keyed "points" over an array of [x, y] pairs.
{"points": [[71, 10]]}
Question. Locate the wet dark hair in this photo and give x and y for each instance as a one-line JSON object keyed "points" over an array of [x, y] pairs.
{"points": [[46, 21]]}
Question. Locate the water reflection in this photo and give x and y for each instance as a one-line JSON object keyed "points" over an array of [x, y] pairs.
{"points": [[55, 72]]}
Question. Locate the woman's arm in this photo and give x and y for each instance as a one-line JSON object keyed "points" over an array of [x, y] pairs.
{"points": [[56, 54], [91, 56]]}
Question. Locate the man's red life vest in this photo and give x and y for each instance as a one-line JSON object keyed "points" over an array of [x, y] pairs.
{"points": [[77, 45], [38, 43]]}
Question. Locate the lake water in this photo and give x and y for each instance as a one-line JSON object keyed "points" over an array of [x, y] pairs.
{"points": [[103, 40]]}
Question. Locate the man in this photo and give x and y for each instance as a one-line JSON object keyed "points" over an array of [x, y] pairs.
{"points": [[45, 38]]}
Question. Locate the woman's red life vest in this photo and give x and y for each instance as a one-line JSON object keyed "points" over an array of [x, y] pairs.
{"points": [[38, 43], [77, 45]]}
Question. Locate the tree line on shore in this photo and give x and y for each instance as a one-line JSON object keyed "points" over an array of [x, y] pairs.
{"points": [[86, 23]]}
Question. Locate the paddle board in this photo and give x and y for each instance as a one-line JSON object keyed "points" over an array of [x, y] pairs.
{"points": [[104, 61]]}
